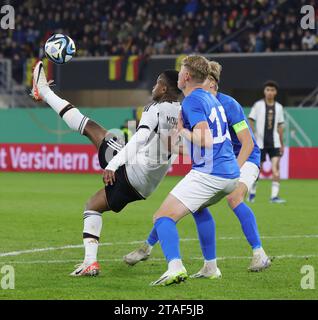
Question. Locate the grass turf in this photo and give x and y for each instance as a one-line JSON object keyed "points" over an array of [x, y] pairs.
{"points": [[45, 210]]}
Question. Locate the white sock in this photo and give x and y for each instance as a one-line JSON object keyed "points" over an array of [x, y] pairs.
{"points": [[259, 251], [73, 117], [53, 100], [44, 90], [75, 120], [91, 248], [210, 265], [175, 265], [92, 226], [275, 189]]}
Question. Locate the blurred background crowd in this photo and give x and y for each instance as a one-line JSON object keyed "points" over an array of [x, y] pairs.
{"points": [[124, 27]]}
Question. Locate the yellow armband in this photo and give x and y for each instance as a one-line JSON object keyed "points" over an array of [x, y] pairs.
{"points": [[240, 126]]}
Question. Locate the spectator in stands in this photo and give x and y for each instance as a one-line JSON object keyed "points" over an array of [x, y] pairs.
{"points": [[309, 41]]}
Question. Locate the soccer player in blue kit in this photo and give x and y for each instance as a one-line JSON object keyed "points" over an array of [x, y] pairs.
{"points": [[248, 158], [214, 173], [249, 162]]}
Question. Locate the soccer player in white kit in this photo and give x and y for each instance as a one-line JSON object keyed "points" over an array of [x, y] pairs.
{"points": [[269, 132], [132, 172]]}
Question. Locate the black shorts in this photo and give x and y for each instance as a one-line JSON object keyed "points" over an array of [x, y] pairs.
{"points": [[272, 152], [121, 192]]}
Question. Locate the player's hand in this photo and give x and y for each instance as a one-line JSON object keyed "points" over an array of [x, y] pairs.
{"points": [[180, 122], [281, 150], [109, 177]]}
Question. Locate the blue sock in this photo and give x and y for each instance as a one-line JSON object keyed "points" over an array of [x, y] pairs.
{"points": [[206, 231], [248, 224], [153, 237], [168, 237]]}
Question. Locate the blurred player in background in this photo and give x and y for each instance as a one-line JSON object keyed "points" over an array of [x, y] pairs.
{"points": [[269, 129], [248, 157], [132, 172]]}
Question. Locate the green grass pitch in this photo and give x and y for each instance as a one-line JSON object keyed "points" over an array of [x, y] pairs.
{"points": [[45, 211]]}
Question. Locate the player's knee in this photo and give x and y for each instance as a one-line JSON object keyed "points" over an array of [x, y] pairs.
{"points": [[234, 200], [159, 215], [87, 205], [276, 174], [276, 177]]}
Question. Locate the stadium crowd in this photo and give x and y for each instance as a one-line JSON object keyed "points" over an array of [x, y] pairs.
{"points": [[113, 27]]}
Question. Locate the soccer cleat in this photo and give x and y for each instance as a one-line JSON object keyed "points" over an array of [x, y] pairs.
{"points": [[251, 197], [277, 200], [39, 81], [170, 277], [140, 254], [259, 263], [86, 269], [205, 273]]}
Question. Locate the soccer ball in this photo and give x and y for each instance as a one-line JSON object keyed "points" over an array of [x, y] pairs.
{"points": [[59, 48]]}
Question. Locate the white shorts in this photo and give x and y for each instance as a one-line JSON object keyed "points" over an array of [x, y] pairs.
{"points": [[198, 190], [249, 174]]}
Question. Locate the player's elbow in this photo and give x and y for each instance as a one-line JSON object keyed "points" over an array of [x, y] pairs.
{"points": [[251, 144]]}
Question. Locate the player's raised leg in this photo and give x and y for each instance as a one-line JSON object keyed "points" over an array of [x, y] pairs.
{"points": [[70, 114]]}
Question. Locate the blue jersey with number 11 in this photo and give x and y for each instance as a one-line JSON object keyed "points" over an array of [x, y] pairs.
{"points": [[219, 160]]}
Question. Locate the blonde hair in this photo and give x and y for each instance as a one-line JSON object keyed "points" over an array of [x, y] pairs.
{"points": [[215, 71], [198, 67]]}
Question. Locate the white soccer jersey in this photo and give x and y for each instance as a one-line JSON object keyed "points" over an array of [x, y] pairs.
{"points": [[151, 161], [258, 113]]}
